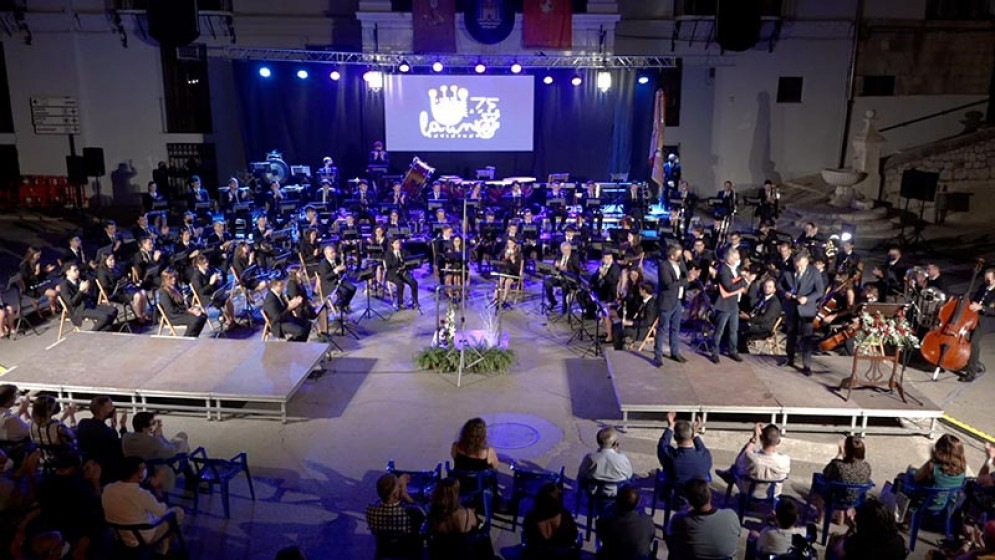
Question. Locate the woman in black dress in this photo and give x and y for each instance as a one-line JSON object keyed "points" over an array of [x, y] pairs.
{"points": [[118, 287], [34, 274]]}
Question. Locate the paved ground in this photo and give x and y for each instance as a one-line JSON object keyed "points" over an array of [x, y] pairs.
{"points": [[315, 475]]}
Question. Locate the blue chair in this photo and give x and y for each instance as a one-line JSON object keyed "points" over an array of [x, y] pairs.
{"points": [[599, 493], [178, 464], [546, 551], [921, 498], [221, 472], [746, 499], [526, 484], [422, 483], [146, 549], [475, 545], [477, 487], [837, 496], [671, 492]]}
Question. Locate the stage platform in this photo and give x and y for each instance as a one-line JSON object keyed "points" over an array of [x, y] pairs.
{"points": [[758, 387], [172, 373]]}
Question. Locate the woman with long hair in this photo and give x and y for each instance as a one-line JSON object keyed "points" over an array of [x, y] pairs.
{"points": [[549, 524], [872, 534], [471, 451], [34, 274], [175, 306], [48, 432], [512, 257], [118, 287], [445, 514], [848, 467], [944, 469]]}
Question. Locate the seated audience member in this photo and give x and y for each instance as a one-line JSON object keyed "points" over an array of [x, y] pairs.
{"points": [[980, 498], [290, 553], [777, 539], [606, 464], [147, 443], [848, 467], [549, 524], [127, 503], [48, 432], [690, 459], [872, 534], [446, 515], [13, 425], [945, 468], [979, 544], [704, 532], [625, 533], [16, 484], [99, 441], [70, 500], [471, 452], [763, 463], [395, 514]]}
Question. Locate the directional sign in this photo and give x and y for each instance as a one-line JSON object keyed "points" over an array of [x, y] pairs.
{"points": [[54, 102], [57, 129], [55, 115]]}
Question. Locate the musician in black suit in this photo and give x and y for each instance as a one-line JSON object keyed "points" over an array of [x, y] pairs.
{"points": [[175, 307], [118, 287], [441, 246], [399, 275], [230, 196], [769, 203], [568, 263], [604, 281], [76, 254], [110, 236], [76, 295], [728, 198], [983, 303], [762, 316], [152, 196], [280, 313], [732, 285], [222, 241], [144, 259], [331, 275], [196, 194], [672, 283], [144, 229], [379, 156], [325, 194], [592, 213], [210, 287], [635, 204], [639, 324], [800, 291], [891, 278]]}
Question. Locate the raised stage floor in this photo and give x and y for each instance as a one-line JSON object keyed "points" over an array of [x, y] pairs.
{"points": [[172, 373], [757, 386]]}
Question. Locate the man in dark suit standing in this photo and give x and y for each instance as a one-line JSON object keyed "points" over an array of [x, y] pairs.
{"points": [[396, 273], [280, 312], [75, 294], [800, 291], [672, 283], [638, 325], [567, 263], [732, 286], [762, 316]]}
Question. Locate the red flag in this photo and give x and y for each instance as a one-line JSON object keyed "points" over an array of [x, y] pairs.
{"points": [[434, 23], [656, 141], [548, 24]]}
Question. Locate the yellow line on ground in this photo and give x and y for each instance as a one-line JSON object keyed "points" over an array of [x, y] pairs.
{"points": [[968, 428]]}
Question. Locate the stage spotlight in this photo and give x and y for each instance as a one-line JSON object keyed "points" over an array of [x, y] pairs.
{"points": [[437, 66], [547, 80], [516, 68], [576, 81], [643, 80], [265, 72], [335, 75], [302, 74], [849, 232], [374, 80], [404, 67], [480, 68], [604, 81]]}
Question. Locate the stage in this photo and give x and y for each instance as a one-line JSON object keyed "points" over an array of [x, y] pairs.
{"points": [[757, 386], [172, 373]]}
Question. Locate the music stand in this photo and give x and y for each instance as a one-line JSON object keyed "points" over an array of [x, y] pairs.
{"points": [[545, 270], [344, 329], [365, 275]]}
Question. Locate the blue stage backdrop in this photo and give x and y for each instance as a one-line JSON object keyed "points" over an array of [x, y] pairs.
{"points": [[578, 129]]}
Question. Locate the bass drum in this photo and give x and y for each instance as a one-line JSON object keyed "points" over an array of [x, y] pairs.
{"points": [[929, 302], [418, 174]]}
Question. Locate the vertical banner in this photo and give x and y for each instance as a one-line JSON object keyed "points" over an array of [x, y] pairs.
{"points": [[434, 23], [656, 141], [548, 24]]}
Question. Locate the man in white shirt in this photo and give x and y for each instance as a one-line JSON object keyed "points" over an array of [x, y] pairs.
{"points": [[606, 464], [127, 503], [13, 426], [763, 463]]}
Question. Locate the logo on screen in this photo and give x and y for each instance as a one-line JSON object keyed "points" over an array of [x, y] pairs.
{"points": [[455, 114]]}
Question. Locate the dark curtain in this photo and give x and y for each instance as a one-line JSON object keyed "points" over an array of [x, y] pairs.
{"points": [[577, 129]]}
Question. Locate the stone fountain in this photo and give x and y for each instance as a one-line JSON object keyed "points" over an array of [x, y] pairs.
{"points": [[842, 181]]}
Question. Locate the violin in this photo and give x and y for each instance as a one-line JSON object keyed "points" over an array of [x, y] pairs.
{"points": [[948, 346]]}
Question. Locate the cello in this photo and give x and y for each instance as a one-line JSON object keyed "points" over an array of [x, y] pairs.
{"points": [[948, 345]]}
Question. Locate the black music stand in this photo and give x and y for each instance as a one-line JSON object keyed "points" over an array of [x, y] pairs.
{"points": [[344, 329], [545, 270], [365, 275]]}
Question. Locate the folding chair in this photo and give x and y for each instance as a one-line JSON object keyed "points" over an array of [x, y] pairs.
{"points": [[774, 343], [164, 321], [200, 303], [650, 335], [64, 316], [102, 298], [239, 287], [267, 328]]}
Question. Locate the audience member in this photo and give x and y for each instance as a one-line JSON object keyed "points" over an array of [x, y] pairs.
{"points": [[13, 425], [549, 524], [127, 503], [871, 535], [626, 534], [704, 532], [101, 442], [979, 544], [606, 464], [46, 431], [777, 539], [70, 500], [290, 553], [446, 515], [945, 468], [396, 513], [763, 463], [471, 452], [16, 483], [690, 459], [148, 444], [848, 467]]}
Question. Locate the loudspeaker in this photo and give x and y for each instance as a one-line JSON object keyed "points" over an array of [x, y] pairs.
{"points": [[76, 170], [737, 24], [919, 185], [173, 23], [93, 159], [10, 170]]}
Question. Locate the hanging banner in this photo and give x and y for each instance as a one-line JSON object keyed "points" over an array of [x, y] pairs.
{"points": [[548, 24], [656, 140], [489, 21], [434, 23]]}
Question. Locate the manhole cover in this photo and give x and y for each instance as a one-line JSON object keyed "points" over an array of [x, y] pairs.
{"points": [[512, 435]]}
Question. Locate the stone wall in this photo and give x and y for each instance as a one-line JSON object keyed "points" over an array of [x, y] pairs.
{"points": [[967, 171]]}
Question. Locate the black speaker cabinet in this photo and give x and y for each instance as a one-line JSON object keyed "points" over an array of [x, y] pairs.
{"points": [[173, 23], [93, 159], [919, 185], [737, 24], [76, 170], [10, 169]]}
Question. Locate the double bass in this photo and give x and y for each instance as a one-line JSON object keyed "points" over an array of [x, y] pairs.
{"points": [[948, 345]]}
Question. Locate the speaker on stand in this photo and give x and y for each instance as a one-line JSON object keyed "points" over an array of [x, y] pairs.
{"points": [[173, 23], [737, 24], [93, 162], [921, 186]]}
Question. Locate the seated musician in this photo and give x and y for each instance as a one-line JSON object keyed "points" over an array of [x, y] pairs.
{"points": [[441, 246], [298, 285], [397, 196], [190, 223], [151, 197], [310, 219], [76, 254], [594, 214], [781, 261], [638, 324], [196, 194], [366, 198], [347, 231], [820, 267], [243, 265], [76, 293], [764, 312], [144, 229], [439, 218], [379, 156], [310, 247], [376, 247], [222, 241], [812, 240], [175, 306], [766, 243], [332, 276], [604, 281], [848, 263], [567, 263], [328, 171], [454, 265], [511, 259], [211, 288], [398, 273], [697, 232], [572, 236], [279, 312], [184, 251], [634, 204], [395, 220], [728, 198], [936, 279], [632, 250], [261, 236], [487, 238], [436, 192], [556, 211], [326, 194], [230, 196], [275, 195], [145, 260], [891, 278], [769, 198], [118, 286], [529, 229], [34, 276], [110, 236]]}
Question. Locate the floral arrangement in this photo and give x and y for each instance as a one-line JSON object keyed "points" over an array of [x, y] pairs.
{"points": [[445, 335], [876, 330]]}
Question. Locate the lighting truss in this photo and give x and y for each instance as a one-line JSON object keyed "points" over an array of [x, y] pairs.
{"points": [[392, 60]]}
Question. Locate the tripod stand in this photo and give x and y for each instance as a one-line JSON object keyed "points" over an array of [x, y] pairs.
{"points": [[344, 329], [366, 275]]}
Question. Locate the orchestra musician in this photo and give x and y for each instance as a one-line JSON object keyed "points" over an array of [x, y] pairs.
{"points": [[349, 240], [146, 258], [759, 321], [441, 246], [244, 261], [379, 156], [111, 237], [511, 259], [211, 288], [310, 247], [398, 197], [297, 285], [328, 171], [638, 324], [673, 278], [671, 176], [184, 251], [395, 220], [326, 194], [398, 274], [75, 292], [175, 306], [454, 265], [699, 258], [279, 311], [604, 281], [529, 229], [151, 197], [782, 261], [812, 240], [891, 278], [262, 237], [800, 291], [377, 247], [592, 192], [557, 211], [231, 196], [936, 279], [143, 229], [634, 204], [222, 241], [632, 250], [365, 198], [77, 255], [728, 198], [487, 237], [119, 288], [567, 263], [983, 302], [189, 222], [332, 276], [274, 197], [732, 285], [769, 208], [196, 194]]}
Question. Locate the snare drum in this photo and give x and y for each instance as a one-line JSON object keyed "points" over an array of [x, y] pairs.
{"points": [[929, 302]]}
